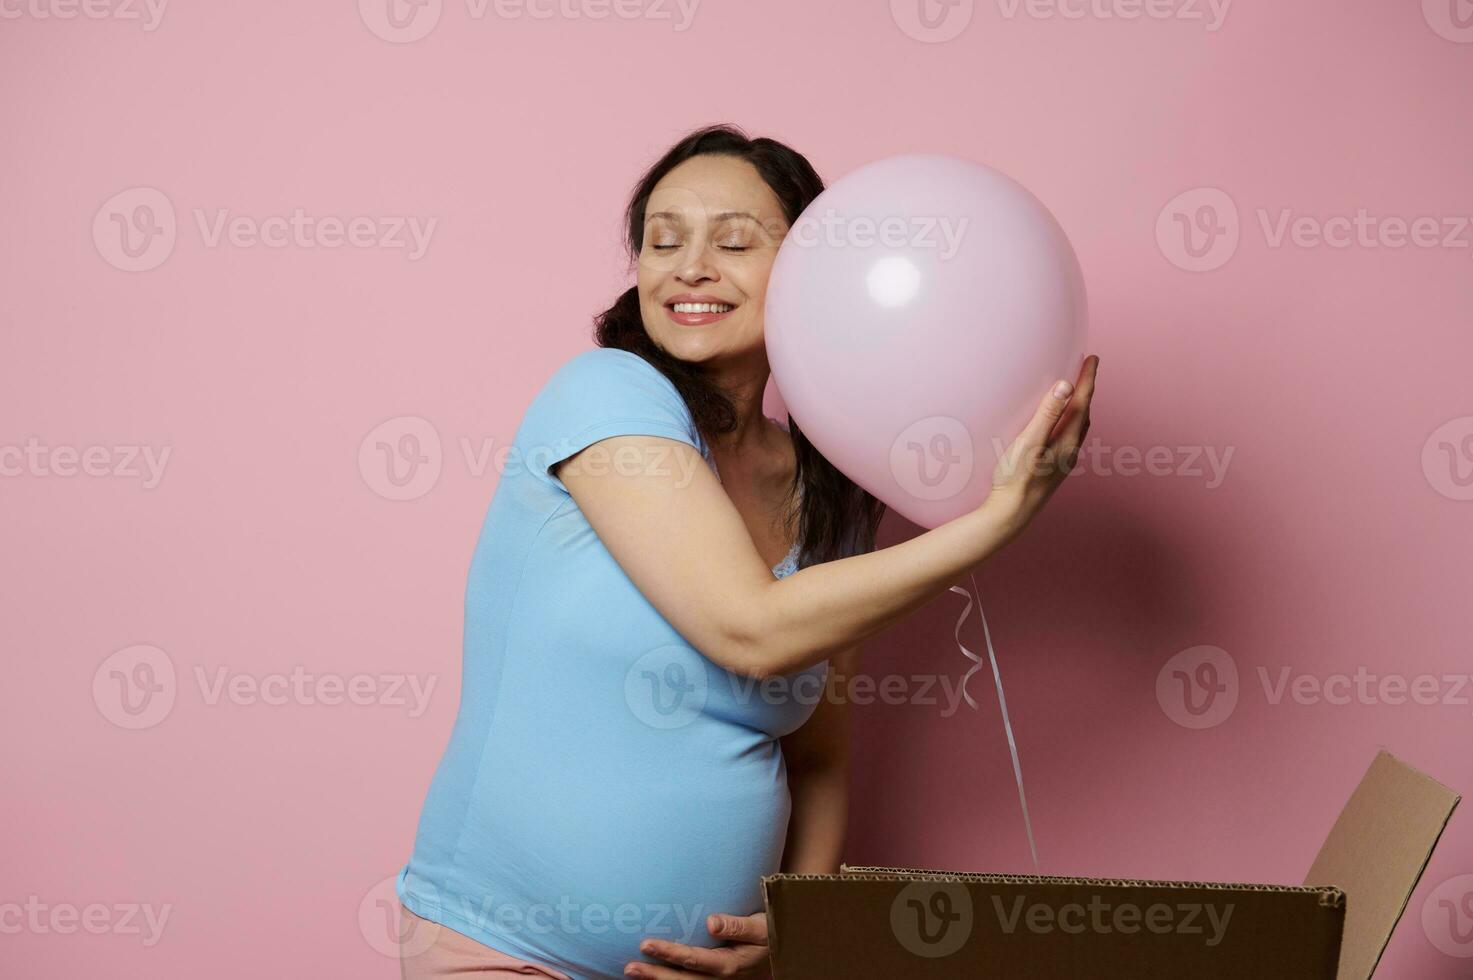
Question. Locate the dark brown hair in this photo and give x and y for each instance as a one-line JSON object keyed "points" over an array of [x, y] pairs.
{"points": [[836, 515]]}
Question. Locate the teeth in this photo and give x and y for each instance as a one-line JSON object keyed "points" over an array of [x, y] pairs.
{"points": [[703, 308]]}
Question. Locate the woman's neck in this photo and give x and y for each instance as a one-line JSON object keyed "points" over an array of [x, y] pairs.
{"points": [[745, 388]]}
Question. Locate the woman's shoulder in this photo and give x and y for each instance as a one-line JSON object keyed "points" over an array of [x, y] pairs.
{"points": [[610, 375], [600, 389], [611, 363]]}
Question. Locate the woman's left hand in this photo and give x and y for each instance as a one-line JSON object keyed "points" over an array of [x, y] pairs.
{"points": [[745, 956]]}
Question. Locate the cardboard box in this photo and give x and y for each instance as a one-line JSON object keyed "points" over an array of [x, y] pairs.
{"points": [[897, 923]]}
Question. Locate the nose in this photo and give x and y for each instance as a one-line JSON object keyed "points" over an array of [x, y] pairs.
{"points": [[697, 267]]}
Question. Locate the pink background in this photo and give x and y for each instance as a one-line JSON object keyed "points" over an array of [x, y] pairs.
{"points": [[1333, 543]]}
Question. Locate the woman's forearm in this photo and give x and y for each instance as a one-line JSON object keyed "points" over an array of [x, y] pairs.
{"points": [[819, 816], [802, 620]]}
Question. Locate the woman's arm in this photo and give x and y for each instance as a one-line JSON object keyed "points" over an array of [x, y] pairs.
{"points": [[664, 517], [817, 758]]}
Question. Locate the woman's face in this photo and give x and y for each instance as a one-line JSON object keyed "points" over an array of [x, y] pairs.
{"points": [[711, 233]]}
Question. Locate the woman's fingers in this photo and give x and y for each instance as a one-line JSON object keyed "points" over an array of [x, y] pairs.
{"points": [[723, 961], [1074, 424], [1019, 463], [689, 957], [747, 932], [653, 971], [739, 928], [1042, 437], [1037, 462], [1035, 434]]}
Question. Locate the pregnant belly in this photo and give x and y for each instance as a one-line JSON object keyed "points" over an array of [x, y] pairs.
{"points": [[577, 870]]}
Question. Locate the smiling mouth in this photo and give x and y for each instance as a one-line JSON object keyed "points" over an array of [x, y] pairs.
{"points": [[698, 314]]}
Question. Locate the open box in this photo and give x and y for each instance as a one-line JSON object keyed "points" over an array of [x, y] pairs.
{"points": [[895, 923]]}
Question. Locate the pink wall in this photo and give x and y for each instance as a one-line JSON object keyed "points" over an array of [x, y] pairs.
{"points": [[265, 542]]}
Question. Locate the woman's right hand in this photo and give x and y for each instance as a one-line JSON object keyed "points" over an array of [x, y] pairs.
{"points": [[1037, 462]]}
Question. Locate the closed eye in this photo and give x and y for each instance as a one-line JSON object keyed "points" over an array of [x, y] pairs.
{"points": [[724, 248]]}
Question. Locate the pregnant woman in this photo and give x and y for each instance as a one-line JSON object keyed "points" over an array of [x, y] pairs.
{"points": [[662, 594]]}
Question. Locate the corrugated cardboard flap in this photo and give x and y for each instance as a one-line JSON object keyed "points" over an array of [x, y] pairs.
{"points": [[1376, 853]]}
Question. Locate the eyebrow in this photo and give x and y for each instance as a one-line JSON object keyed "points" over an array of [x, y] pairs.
{"points": [[723, 216]]}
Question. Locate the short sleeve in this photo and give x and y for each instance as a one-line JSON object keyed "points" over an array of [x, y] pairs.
{"points": [[595, 395]]}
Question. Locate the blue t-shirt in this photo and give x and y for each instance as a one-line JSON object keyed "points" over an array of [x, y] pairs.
{"points": [[604, 781]]}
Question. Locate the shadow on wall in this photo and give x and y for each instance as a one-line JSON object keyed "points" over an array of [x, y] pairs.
{"points": [[1082, 609]]}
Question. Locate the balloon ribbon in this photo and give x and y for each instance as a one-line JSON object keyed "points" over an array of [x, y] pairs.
{"points": [[1001, 700]]}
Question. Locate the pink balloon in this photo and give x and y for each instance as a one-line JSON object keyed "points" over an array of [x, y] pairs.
{"points": [[918, 312]]}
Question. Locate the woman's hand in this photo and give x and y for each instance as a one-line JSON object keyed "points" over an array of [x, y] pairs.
{"points": [[745, 956], [1037, 462]]}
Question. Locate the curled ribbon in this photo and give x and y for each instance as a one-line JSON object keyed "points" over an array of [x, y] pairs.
{"points": [[1001, 700]]}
